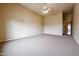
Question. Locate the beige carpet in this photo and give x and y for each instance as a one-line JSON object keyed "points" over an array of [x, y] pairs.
{"points": [[41, 45]]}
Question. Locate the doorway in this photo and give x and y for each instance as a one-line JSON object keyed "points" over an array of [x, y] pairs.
{"points": [[67, 23]]}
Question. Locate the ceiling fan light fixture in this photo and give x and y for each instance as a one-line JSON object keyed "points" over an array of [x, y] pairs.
{"points": [[45, 10]]}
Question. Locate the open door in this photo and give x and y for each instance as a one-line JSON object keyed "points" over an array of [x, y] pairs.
{"points": [[67, 23]]}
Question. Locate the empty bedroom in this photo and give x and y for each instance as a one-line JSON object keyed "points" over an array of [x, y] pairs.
{"points": [[39, 29]]}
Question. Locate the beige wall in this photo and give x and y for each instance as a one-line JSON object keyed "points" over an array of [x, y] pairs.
{"points": [[20, 22], [53, 24], [76, 23], [2, 28]]}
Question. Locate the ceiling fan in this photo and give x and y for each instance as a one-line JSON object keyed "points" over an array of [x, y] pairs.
{"points": [[45, 9]]}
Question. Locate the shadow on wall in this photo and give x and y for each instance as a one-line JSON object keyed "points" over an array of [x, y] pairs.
{"points": [[6, 25], [2, 29], [18, 22], [2, 25]]}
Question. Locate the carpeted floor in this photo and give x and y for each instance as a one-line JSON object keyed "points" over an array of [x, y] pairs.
{"points": [[41, 45]]}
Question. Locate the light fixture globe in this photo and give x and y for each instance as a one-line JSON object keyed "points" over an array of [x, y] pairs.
{"points": [[45, 10]]}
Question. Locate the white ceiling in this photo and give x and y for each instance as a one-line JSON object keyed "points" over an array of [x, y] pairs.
{"points": [[56, 7]]}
